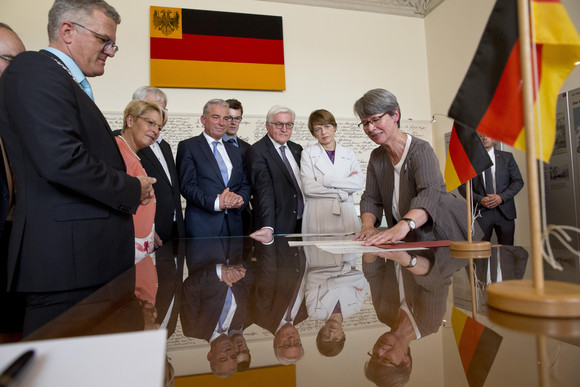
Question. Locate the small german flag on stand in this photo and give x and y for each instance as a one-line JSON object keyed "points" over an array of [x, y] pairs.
{"points": [[477, 345], [221, 50]]}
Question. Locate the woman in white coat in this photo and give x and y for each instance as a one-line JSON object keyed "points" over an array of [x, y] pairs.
{"points": [[330, 174]]}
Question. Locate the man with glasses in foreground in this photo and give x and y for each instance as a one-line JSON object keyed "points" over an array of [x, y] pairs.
{"points": [[212, 177], [72, 229], [273, 168]]}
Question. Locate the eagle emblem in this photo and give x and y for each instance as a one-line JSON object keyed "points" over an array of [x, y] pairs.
{"points": [[166, 21]]}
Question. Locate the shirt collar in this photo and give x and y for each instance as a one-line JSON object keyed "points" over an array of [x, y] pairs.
{"points": [[210, 140], [275, 143], [70, 64]]}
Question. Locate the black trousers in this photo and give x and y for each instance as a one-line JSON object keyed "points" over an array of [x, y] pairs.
{"points": [[493, 220]]}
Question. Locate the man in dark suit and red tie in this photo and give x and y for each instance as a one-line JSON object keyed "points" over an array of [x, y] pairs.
{"points": [[493, 194], [72, 229], [273, 167], [157, 160], [212, 177]]}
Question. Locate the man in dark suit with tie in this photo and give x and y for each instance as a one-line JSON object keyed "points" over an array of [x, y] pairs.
{"points": [[231, 136], [278, 303], [215, 298], [72, 229], [493, 194], [212, 177], [157, 160], [273, 165]]}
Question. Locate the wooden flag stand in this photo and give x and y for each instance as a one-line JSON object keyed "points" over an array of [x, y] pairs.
{"points": [[533, 297], [470, 250]]}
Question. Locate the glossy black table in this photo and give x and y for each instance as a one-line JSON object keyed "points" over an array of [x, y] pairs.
{"points": [[183, 294]]}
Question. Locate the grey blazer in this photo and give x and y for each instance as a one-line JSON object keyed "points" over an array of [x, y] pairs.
{"points": [[422, 187]]}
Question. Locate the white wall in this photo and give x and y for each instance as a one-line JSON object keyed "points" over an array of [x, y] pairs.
{"points": [[332, 56]]}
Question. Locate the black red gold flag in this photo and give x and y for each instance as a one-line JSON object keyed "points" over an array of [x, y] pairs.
{"points": [[477, 345], [210, 49], [490, 98], [466, 157]]}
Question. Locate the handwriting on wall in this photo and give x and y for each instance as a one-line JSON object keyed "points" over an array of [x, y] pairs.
{"points": [[253, 127]]}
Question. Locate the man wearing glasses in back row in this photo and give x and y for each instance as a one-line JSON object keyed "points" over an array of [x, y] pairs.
{"points": [[72, 230], [273, 169]]}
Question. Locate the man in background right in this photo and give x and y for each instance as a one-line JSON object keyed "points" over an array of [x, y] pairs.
{"points": [[493, 194]]}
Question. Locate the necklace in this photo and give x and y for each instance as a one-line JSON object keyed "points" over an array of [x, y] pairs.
{"points": [[129, 146]]}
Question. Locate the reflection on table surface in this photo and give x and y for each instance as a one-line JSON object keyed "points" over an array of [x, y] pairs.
{"points": [[232, 304]]}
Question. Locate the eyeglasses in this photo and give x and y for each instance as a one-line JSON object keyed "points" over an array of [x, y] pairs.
{"points": [[107, 43], [237, 119], [286, 346], [151, 123], [382, 360], [280, 125], [7, 58], [374, 121]]}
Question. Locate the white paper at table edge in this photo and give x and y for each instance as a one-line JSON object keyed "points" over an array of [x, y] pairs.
{"points": [[122, 359]]}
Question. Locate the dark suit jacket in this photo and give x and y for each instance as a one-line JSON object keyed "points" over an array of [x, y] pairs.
{"points": [[72, 223], [277, 272], [244, 145], [508, 181], [4, 194], [201, 182], [204, 294], [275, 198], [166, 192]]}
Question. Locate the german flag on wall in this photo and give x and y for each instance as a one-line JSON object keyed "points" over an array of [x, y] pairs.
{"points": [[466, 157], [221, 50], [490, 97], [477, 345]]}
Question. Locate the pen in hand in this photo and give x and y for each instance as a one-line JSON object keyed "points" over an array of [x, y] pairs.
{"points": [[15, 368]]}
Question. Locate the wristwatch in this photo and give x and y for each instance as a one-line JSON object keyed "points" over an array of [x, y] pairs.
{"points": [[413, 262], [411, 222]]}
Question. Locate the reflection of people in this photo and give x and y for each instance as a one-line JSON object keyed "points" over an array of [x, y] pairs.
{"points": [[12, 304], [157, 160], [333, 293], [212, 176], [403, 181], [72, 229], [273, 169], [493, 194], [222, 356], [409, 294], [278, 296], [506, 262], [330, 174], [215, 299]]}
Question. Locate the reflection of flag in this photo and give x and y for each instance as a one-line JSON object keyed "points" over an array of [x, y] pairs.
{"points": [[490, 97], [466, 157], [477, 346], [209, 49]]}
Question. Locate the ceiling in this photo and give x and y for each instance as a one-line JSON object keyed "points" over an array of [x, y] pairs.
{"points": [[411, 8]]}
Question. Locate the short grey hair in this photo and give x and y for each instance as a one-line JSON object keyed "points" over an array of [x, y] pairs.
{"points": [[276, 109], [78, 11], [156, 94], [6, 27], [215, 101], [377, 101]]}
